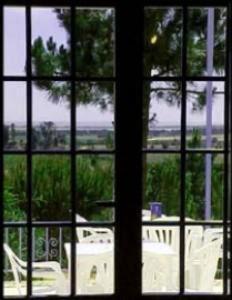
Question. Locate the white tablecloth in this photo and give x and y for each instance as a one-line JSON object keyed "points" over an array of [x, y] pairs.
{"points": [[100, 248]]}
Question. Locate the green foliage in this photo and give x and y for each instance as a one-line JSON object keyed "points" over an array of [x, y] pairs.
{"points": [[51, 187], [164, 56], [94, 183], [94, 30], [163, 184], [15, 187], [12, 210], [197, 36], [94, 57]]}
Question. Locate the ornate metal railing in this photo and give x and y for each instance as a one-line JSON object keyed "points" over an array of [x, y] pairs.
{"points": [[46, 245]]}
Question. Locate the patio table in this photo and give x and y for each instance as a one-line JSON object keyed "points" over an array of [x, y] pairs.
{"points": [[157, 251]]}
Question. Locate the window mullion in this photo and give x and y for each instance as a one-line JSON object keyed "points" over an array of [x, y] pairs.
{"points": [[73, 153], [128, 149], [1, 157], [183, 147], [227, 196], [29, 150]]}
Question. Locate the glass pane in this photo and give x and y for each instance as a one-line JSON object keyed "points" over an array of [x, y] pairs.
{"points": [[50, 275], [14, 41], [94, 262], [95, 115], [15, 185], [162, 187], [95, 184], [51, 115], [50, 41], [160, 271], [162, 41], [204, 186], [161, 115], [206, 51], [203, 256], [51, 188], [15, 115], [95, 36], [205, 115], [15, 244]]}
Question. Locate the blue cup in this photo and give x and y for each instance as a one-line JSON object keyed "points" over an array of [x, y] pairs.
{"points": [[156, 210]]}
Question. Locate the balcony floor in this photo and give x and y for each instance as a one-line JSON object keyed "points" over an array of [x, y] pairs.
{"points": [[11, 290]]}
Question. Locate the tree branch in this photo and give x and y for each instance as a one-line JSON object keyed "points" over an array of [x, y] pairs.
{"points": [[188, 91]]}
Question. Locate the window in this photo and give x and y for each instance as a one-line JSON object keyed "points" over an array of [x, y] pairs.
{"points": [[115, 149]]}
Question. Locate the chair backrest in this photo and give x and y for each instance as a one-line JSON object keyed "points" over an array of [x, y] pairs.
{"points": [[84, 232], [17, 265], [193, 239], [162, 234], [211, 234], [98, 238], [171, 235], [95, 273]]}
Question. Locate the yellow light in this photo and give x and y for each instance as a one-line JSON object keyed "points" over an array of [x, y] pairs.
{"points": [[153, 39]]}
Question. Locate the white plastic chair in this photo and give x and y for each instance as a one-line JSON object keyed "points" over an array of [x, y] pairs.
{"points": [[154, 274], [193, 240], [83, 232], [95, 273], [159, 272], [202, 266], [211, 234], [98, 238], [162, 234], [45, 270]]}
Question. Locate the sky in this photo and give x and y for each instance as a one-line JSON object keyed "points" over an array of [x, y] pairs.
{"points": [[45, 24]]}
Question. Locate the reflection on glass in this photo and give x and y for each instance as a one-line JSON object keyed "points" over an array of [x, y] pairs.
{"points": [[15, 272], [94, 262], [162, 41], [51, 115], [160, 271], [201, 35], [205, 115], [95, 183], [95, 37], [15, 200], [161, 177], [161, 115], [203, 256], [51, 188], [50, 41], [14, 41], [50, 275], [204, 187], [95, 115], [14, 115]]}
